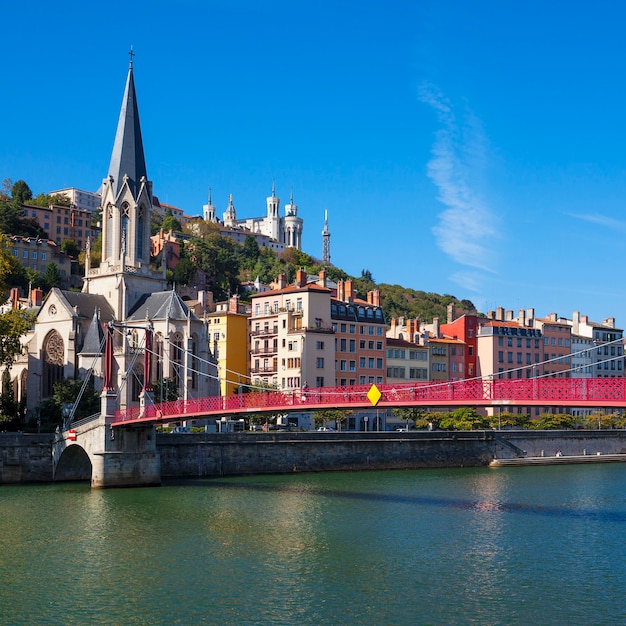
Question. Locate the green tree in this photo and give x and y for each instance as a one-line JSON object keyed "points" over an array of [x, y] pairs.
{"points": [[20, 192], [464, 419], [170, 223], [603, 421], [52, 276], [13, 325], [420, 418], [165, 390], [65, 392], [70, 247], [510, 420], [184, 272], [328, 417], [553, 421]]}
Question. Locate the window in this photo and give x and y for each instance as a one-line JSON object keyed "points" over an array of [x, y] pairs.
{"points": [[34, 255], [24, 254], [362, 361], [319, 362], [342, 344], [352, 345], [43, 256], [319, 345], [343, 365], [319, 381]]}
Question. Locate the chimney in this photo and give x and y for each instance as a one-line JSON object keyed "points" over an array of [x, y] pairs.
{"points": [[376, 297], [521, 317], [436, 327], [552, 317], [394, 328], [341, 291], [349, 291], [300, 278], [369, 297], [509, 316], [37, 297], [584, 319], [322, 278], [282, 281], [610, 322], [500, 314], [15, 298], [530, 316], [451, 313], [233, 304], [575, 322]]}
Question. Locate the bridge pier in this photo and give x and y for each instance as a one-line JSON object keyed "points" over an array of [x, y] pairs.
{"points": [[125, 456], [128, 456]]}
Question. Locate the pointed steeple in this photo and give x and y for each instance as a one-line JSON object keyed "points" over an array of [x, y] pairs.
{"points": [[127, 158]]}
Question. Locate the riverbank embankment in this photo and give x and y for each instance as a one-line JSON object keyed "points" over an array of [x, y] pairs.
{"points": [[27, 458]]}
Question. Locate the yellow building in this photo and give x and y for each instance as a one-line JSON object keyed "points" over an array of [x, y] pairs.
{"points": [[228, 342]]}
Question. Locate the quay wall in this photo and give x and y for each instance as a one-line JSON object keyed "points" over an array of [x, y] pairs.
{"points": [[206, 455], [27, 458]]}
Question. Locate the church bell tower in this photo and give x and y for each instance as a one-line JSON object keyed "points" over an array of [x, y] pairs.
{"points": [[124, 273]]}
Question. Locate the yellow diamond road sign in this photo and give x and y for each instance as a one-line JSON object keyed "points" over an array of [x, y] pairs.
{"points": [[374, 395]]}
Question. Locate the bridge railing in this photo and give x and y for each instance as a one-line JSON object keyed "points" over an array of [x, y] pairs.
{"points": [[552, 391]]}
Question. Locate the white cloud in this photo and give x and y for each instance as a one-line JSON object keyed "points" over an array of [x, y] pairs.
{"points": [[466, 228], [601, 220]]}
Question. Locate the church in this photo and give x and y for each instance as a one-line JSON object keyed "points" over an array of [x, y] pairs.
{"points": [[127, 293], [285, 230]]}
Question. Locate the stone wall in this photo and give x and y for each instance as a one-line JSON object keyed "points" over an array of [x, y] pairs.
{"points": [[198, 455], [25, 458], [28, 458]]}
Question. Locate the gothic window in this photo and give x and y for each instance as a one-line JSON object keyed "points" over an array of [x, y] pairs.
{"points": [[140, 234], [53, 361], [109, 236], [137, 382], [176, 358], [125, 221]]}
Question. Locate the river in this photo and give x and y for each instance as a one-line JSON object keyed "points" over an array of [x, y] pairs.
{"points": [[518, 545]]}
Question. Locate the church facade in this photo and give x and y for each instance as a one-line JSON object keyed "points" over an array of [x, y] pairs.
{"points": [[124, 291]]}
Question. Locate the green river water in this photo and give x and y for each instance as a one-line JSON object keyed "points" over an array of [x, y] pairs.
{"points": [[522, 545]]}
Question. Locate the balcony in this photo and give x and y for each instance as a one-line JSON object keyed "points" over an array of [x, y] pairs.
{"points": [[264, 332], [269, 350], [264, 370]]}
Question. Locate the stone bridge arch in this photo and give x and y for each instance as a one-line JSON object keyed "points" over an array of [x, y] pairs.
{"points": [[73, 464], [109, 457]]}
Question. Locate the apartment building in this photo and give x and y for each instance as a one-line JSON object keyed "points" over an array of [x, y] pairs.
{"points": [[607, 356], [557, 346], [229, 344], [406, 362], [37, 254], [464, 329], [291, 336], [61, 223], [360, 337], [83, 200]]}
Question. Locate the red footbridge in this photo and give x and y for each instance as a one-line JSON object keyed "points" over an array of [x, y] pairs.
{"points": [[607, 393]]}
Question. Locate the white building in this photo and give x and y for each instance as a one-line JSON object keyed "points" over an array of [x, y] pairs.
{"points": [[286, 230]]}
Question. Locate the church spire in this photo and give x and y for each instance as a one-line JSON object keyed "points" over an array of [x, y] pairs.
{"points": [[127, 158]]}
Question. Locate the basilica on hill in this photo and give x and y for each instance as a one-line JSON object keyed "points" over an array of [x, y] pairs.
{"points": [[124, 291]]}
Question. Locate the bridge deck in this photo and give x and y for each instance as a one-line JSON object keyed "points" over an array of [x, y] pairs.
{"points": [[543, 392]]}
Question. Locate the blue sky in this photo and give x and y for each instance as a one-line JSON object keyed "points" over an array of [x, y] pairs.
{"points": [[469, 148]]}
